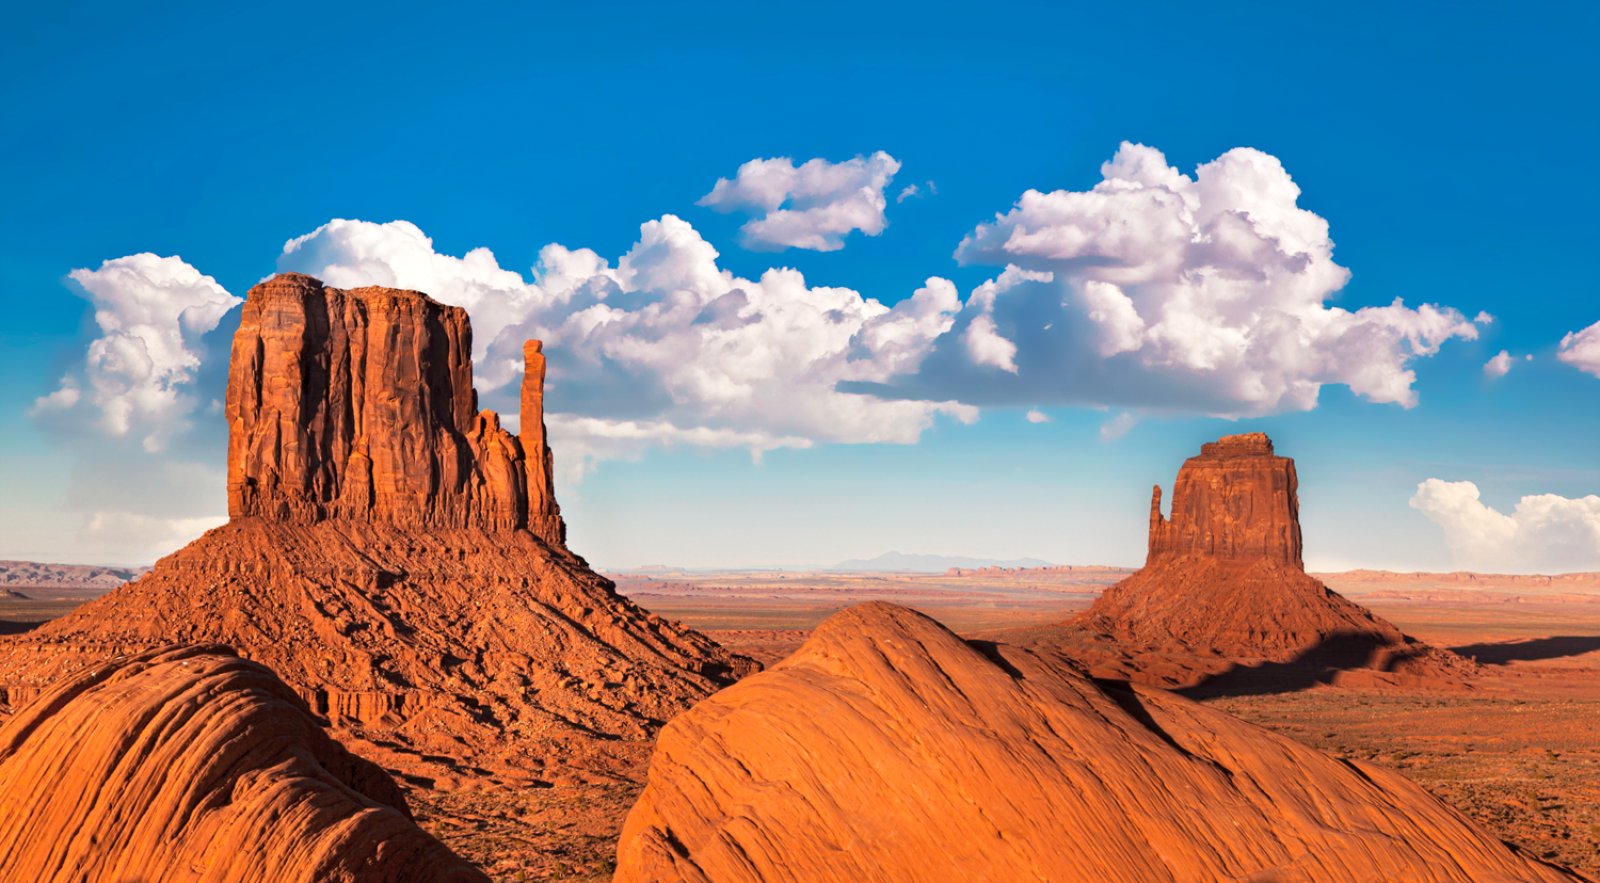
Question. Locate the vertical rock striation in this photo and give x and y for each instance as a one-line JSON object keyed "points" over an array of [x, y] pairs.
{"points": [[1236, 501], [359, 405]]}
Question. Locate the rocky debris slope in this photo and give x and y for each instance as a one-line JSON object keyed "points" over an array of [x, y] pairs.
{"points": [[194, 764], [395, 556], [888, 749], [1224, 592]]}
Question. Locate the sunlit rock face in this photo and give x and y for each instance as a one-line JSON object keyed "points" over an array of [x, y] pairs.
{"points": [[888, 749], [193, 764]]}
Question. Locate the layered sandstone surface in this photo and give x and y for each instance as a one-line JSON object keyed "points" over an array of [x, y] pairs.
{"points": [[194, 764], [394, 555], [888, 749], [1224, 591]]}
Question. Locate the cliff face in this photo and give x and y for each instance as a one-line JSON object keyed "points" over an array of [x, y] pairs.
{"points": [[888, 749], [395, 556], [193, 764], [359, 405], [1236, 501]]}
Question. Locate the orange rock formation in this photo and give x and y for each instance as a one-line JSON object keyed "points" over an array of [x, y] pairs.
{"points": [[194, 764], [359, 405], [888, 749], [1224, 590], [394, 555]]}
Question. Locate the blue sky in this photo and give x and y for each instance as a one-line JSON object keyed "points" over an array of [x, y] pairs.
{"points": [[1449, 148]]}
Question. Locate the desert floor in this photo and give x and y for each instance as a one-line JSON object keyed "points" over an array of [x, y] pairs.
{"points": [[1519, 751]]}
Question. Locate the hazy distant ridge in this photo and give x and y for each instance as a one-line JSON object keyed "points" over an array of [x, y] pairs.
{"points": [[65, 576], [903, 562]]}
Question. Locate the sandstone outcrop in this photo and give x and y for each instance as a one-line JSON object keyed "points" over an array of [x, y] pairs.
{"points": [[395, 556], [888, 749], [359, 405], [1224, 592], [194, 764]]}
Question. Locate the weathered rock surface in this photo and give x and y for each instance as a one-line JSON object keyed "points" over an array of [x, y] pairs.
{"points": [[394, 556], [193, 764], [1236, 501], [359, 405], [887, 749], [1224, 592]]}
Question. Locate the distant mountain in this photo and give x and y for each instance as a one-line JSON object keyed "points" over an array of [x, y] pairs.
{"points": [[902, 562], [65, 576]]}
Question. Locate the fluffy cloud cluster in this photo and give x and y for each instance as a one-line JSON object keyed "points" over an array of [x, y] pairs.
{"points": [[665, 346], [137, 375], [1581, 350], [1498, 366], [1544, 533], [1159, 290], [813, 205]]}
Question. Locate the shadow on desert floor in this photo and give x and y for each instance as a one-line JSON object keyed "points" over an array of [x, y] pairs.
{"points": [[1319, 664], [1554, 647]]}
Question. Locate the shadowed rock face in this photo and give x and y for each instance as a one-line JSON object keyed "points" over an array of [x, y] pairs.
{"points": [[887, 749], [1224, 585], [194, 764], [395, 556]]}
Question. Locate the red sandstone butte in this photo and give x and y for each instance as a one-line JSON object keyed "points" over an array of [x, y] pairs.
{"points": [[888, 749], [395, 556], [359, 405], [193, 764], [1224, 596]]}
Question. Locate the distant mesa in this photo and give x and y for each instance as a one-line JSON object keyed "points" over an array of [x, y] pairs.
{"points": [[12, 595], [396, 557], [1224, 599], [194, 764], [888, 749]]}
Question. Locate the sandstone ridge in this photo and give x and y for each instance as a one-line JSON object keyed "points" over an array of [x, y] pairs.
{"points": [[888, 749], [194, 764]]}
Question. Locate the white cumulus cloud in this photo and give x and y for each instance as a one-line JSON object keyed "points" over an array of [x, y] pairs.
{"points": [[1159, 290], [664, 346], [1545, 533], [137, 375], [1499, 365], [813, 205], [1581, 350]]}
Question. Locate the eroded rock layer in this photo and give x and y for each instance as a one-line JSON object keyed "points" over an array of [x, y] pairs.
{"points": [[1224, 592], [888, 749], [194, 764], [394, 555], [359, 405]]}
